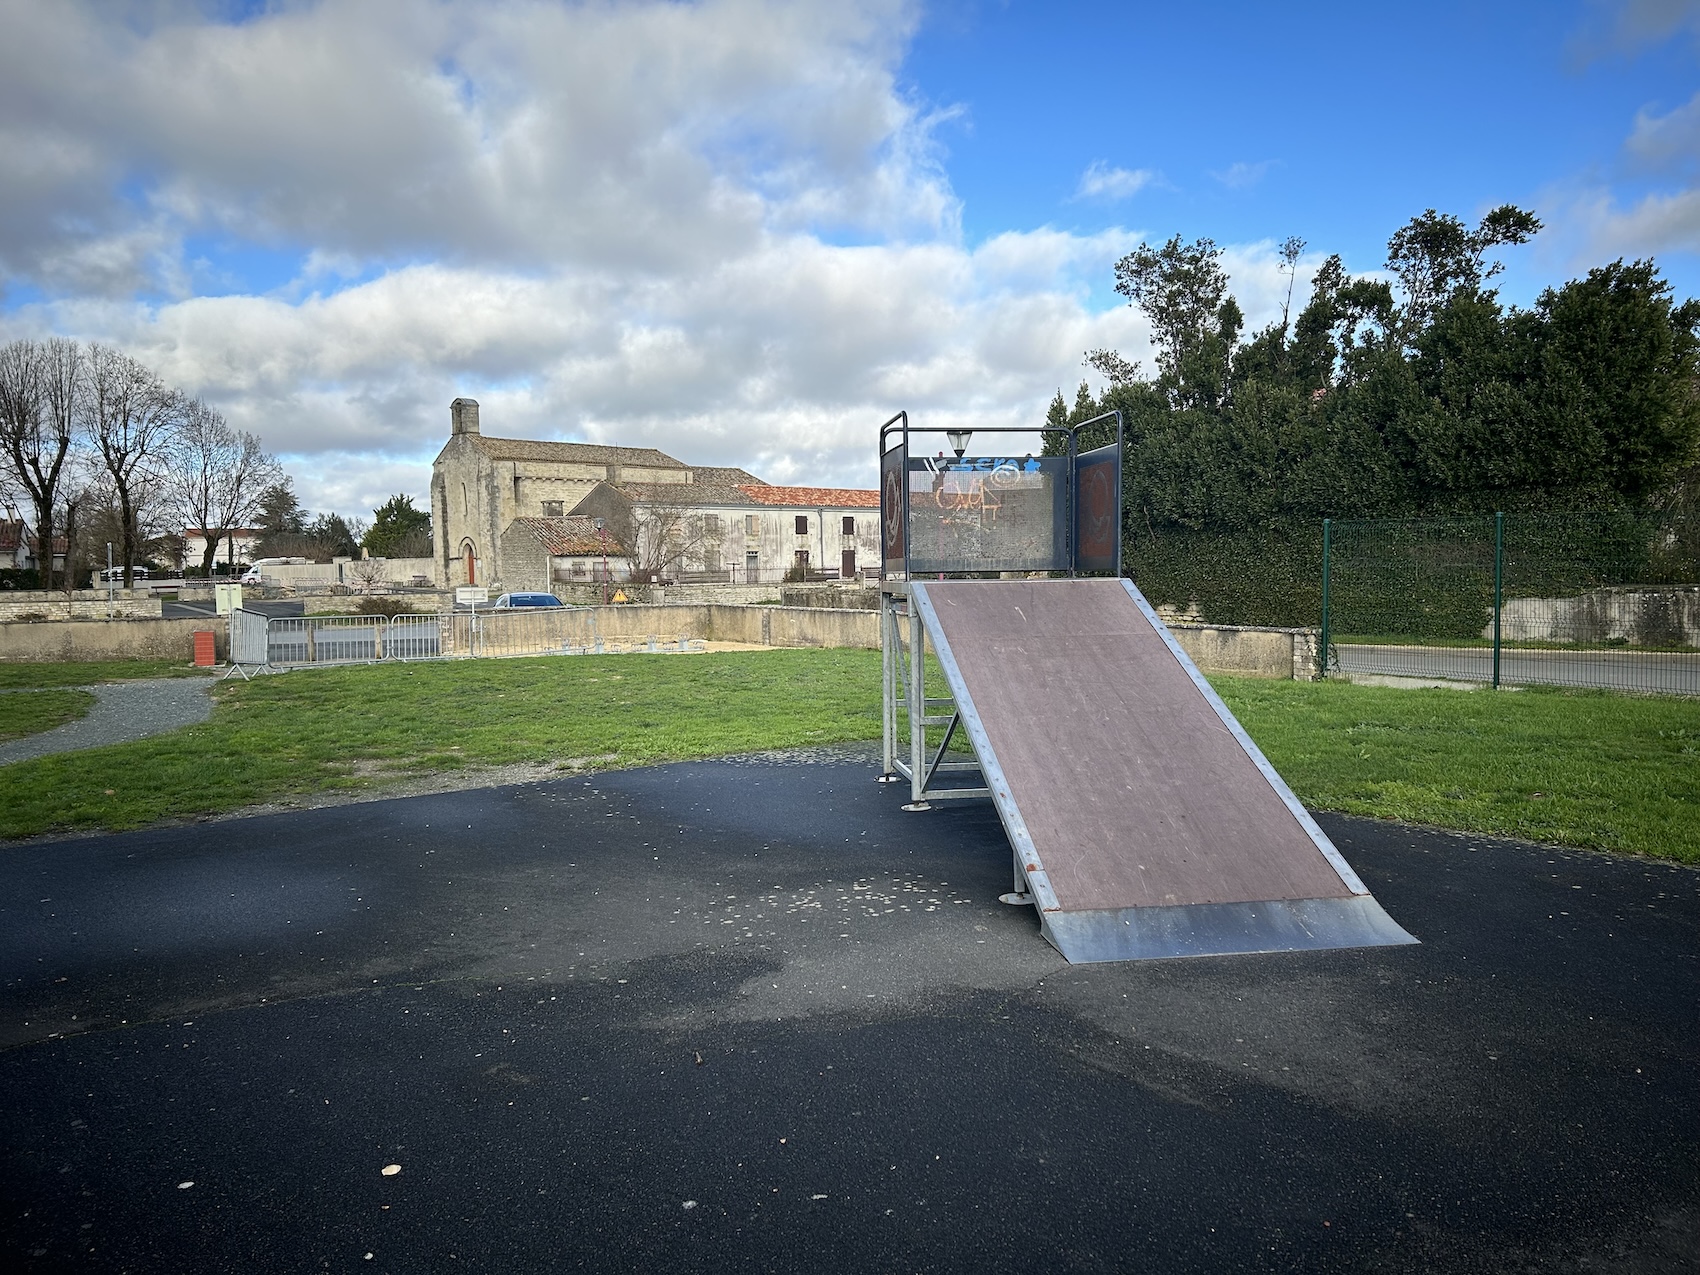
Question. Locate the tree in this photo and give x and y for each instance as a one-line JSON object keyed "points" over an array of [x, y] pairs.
{"points": [[216, 476], [1292, 248], [129, 416], [1437, 258], [399, 530], [279, 511], [40, 382], [1195, 324], [333, 536], [666, 532]]}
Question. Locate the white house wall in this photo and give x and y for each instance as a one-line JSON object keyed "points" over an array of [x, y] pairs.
{"points": [[775, 541]]}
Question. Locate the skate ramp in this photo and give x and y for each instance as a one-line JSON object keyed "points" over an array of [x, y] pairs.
{"points": [[1144, 820]]}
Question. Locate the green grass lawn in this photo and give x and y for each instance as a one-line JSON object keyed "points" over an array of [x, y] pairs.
{"points": [[1579, 768], [355, 727], [86, 673], [28, 712]]}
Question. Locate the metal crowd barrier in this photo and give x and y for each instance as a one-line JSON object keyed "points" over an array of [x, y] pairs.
{"points": [[259, 642]]}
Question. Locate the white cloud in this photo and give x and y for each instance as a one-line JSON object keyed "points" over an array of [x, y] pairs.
{"points": [[1100, 181], [1669, 141], [1623, 26], [717, 228], [1241, 175]]}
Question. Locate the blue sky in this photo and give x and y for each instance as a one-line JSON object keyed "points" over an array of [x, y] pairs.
{"points": [[1334, 122], [746, 231]]}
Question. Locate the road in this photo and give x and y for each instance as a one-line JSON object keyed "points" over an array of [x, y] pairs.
{"points": [[748, 1015], [1668, 673]]}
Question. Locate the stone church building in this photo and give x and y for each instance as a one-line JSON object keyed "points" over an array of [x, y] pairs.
{"points": [[517, 514]]}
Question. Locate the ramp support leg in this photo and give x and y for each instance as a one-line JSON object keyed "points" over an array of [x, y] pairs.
{"points": [[1020, 894], [888, 689], [917, 712]]}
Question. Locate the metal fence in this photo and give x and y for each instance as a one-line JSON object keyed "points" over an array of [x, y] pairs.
{"points": [[1511, 599], [260, 642]]}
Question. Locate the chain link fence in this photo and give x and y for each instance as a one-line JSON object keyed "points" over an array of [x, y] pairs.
{"points": [[1511, 599], [1586, 600]]}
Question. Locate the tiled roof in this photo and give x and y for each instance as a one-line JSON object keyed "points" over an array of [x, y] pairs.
{"points": [[572, 535], [813, 497], [12, 534], [572, 453], [679, 495], [724, 476]]}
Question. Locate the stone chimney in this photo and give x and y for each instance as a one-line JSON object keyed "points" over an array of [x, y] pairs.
{"points": [[463, 416]]}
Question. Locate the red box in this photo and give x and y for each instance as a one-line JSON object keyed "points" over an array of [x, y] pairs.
{"points": [[206, 653]]}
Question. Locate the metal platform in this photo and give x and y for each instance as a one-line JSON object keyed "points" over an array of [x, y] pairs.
{"points": [[1144, 821]]}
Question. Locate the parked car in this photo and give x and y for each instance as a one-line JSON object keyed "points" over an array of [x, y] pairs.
{"points": [[252, 576], [514, 601]]}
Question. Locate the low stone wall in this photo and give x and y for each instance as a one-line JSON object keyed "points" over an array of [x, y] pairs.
{"points": [[1664, 616], [748, 625], [434, 602], [848, 597], [1249, 651], [140, 639], [794, 626], [84, 604]]}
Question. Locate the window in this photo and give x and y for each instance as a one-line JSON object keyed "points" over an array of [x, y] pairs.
{"points": [[752, 524], [578, 569], [552, 509], [711, 524], [711, 559], [802, 524], [849, 526], [802, 559]]}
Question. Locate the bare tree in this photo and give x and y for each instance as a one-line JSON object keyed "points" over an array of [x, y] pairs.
{"points": [[666, 533], [369, 573], [215, 476], [39, 385], [130, 417]]}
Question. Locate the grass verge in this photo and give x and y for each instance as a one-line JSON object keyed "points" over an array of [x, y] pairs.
{"points": [[30, 712], [1580, 768], [88, 672], [353, 728]]}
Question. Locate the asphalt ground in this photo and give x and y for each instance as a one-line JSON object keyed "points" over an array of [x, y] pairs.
{"points": [[1647, 672], [748, 1015]]}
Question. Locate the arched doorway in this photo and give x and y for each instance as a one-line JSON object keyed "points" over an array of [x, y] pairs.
{"points": [[469, 559]]}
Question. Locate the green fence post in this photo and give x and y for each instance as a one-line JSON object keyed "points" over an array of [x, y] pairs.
{"points": [[1498, 587], [1327, 546]]}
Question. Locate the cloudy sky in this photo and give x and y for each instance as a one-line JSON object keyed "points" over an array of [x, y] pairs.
{"points": [[747, 232]]}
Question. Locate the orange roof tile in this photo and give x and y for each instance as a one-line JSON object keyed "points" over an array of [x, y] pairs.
{"points": [[813, 497]]}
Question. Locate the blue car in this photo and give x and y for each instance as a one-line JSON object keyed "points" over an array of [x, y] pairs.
{"points": [[514, 601]]}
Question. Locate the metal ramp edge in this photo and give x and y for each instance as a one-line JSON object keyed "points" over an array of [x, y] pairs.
{"points": [[1202, 929]]}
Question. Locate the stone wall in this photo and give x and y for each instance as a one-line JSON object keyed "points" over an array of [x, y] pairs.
{"points": [[1249, 651], [673, 594], [141, 639], [84, 604], [1667, 616], [849, 597]]}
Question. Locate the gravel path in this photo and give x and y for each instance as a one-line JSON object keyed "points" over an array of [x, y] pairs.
{"points": [[122, 711]]}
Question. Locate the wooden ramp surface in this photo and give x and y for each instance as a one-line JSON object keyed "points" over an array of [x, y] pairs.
{"points": [[1145, 814]]}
